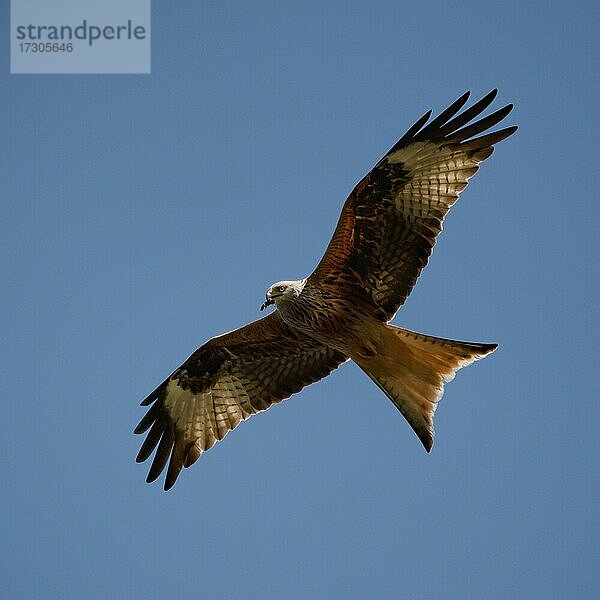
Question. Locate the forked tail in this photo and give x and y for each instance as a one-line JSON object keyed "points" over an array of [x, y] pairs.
{"points": [[411, 368]]}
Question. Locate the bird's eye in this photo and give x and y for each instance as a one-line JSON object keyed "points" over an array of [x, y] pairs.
{"points": [[281, 288]]}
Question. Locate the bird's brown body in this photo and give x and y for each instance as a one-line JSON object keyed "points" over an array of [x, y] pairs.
{"points": [[346, 327]]}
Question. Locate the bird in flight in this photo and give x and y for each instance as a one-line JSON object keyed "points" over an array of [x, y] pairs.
{"points": [[384, 237]]}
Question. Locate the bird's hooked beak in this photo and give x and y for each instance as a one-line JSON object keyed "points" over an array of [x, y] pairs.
{"points": [[268, 301]]}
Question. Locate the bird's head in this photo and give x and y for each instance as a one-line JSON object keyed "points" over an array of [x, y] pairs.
{"points": [[283, 291]]}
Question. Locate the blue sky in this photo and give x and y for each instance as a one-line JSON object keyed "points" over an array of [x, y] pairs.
{"points": [[142, 215]]}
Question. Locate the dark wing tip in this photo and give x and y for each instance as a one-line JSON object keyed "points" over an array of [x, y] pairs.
{"points": [[139, 429], [150, 398], [154, 472], [152, 477], [412, 131], [491, 94], [140, 457], [163, 452], [496, 136], [178, 457], [170, 480], [450, 123], [464, 134], [432, 128], [151, 416]]}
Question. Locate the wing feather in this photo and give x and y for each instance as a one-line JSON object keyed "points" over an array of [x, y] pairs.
{"points": [[229, 379], [390, 221]]}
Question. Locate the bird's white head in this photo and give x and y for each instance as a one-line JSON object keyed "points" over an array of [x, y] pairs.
{"points": [[283, 291]]}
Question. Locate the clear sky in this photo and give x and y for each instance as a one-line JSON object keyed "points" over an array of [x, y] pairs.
{"points": [[143, 214]]}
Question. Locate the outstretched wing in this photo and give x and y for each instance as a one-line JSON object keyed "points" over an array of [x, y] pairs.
{"points": [[392, 218], [229, 379]]}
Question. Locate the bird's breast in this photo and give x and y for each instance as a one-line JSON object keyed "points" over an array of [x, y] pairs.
{"points": [[325, 320]]}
